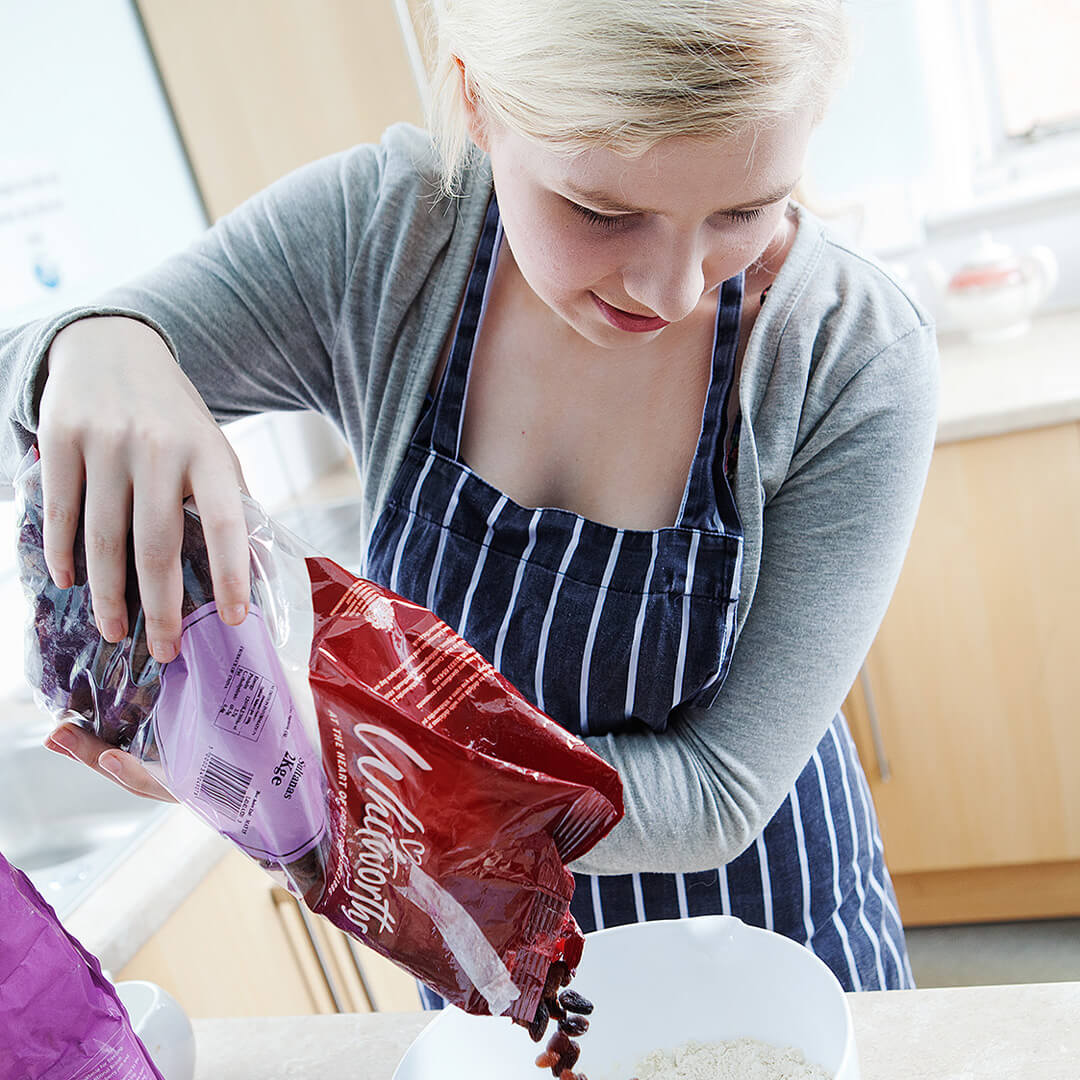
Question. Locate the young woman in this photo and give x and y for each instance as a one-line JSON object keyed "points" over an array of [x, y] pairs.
{"points": [[625, 415]]}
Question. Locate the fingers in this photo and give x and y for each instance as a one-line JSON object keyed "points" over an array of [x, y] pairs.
{"points": [[113, 764], [105, 530], [119, 418], [128, 772], [62, 492], [221, 513], [152, 502], [158, 525]]}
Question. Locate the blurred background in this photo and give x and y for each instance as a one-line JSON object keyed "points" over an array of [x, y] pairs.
{"points": [[951, 155]]}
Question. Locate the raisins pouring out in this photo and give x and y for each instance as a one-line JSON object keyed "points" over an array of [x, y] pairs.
{"points": [[573, 1002], [539, 1022], [574, 1025], [569, 1009]]}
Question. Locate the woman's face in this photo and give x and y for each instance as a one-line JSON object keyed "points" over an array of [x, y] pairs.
{"points": [[601, 238]]}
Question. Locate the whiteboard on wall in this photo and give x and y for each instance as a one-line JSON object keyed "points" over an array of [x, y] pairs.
{"points": [[95, 188], [94, 183]]}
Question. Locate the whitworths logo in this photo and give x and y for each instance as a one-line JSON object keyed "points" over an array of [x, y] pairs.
{"points": [[382, 839]]}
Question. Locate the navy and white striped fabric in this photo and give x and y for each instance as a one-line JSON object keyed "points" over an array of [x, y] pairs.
{"points": [[816, 874], [608, 630], [603, 628]]}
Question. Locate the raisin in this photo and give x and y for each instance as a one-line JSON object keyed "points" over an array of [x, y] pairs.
{"points": [[572, 1025], [556, 973], [555, 1010], [559, 1043], [573, 1002], [539, 1022], [568, 1074], [546, 1060], [569, 1059]]}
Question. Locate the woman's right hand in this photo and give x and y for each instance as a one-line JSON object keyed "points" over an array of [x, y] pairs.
{"points": [[124, 433]]}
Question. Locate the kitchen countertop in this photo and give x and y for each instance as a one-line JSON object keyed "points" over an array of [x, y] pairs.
{"points": [[131, 903], [965, 1033], [998, 387]]}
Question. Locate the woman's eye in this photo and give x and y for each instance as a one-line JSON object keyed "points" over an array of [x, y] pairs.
{"points": [[605, 221], [593, 218], [746, 215]]}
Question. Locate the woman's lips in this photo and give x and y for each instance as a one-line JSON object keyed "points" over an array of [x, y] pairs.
{"points": [[624, 320]]}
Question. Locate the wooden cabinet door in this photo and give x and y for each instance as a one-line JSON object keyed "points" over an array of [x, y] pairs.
{"points": [[976, 667], [260, 87], [226, 952], [242, 946]]}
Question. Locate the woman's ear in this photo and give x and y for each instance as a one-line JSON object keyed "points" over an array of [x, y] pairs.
{"points": [[474, 115]]}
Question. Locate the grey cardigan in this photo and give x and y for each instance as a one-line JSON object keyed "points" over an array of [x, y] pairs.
{"points": [[335, 289]]}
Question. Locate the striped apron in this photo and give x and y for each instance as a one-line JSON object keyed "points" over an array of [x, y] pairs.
{"points": [[608, 630]]}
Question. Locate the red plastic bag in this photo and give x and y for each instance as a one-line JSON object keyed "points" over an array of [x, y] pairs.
{"points": [[354, 745]]}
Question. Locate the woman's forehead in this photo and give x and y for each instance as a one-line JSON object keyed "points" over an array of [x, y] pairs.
{"points": [[736, 172]]}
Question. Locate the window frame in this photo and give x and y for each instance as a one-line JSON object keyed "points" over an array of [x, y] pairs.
{"points": [[1004, 162]]}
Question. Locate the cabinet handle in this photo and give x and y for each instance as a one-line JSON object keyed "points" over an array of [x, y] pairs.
{"points": [[875, 726], [358, 962], [327, 975]]}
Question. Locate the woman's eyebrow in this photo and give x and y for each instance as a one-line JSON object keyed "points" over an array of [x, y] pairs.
{"points": [[600, 201]]}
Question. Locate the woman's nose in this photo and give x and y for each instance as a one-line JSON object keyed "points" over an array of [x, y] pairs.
{"points": [[669, 283]]}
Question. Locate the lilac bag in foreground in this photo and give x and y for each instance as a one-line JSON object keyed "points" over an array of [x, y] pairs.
{"points": [[60, 1018]]}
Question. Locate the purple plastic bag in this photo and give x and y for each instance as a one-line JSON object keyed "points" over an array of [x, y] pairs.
{"points": [[60, 1018]]}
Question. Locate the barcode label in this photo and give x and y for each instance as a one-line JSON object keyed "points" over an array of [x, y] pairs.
{"points": [[222, 783]]}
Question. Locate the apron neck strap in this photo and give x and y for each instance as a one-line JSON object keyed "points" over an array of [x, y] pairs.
{"points": [[449, 409], [707, 485]]}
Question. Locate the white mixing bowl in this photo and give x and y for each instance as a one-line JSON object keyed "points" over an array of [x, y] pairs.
{"points": [[655, 986]]}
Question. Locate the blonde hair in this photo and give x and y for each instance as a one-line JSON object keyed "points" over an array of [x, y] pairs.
{"points": [[625, 74]]}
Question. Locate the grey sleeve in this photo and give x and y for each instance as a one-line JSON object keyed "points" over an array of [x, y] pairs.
{"points": [[250, 310], [834, 539]]}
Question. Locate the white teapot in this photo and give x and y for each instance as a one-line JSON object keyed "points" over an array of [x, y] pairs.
{"points": [[994, 293]]}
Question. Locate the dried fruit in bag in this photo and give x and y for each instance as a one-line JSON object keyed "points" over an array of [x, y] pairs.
{"points": [[354, 745]]}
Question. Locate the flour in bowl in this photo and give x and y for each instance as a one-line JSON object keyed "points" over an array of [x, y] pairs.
{"points": [[738, 1059]]}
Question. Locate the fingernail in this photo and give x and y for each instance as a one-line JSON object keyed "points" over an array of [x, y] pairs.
{"points": [[163, 651], [63, 580], [63, 741], [56, 748], [234, 614], [112, 629], [111, 767]]}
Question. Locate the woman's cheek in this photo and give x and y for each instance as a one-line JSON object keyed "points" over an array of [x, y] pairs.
{"points": [[572, 260], [767, 232], [739, 251]]}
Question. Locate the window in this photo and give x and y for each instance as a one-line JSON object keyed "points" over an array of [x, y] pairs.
{"points": [[1031, 60], [1016, 69]]}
